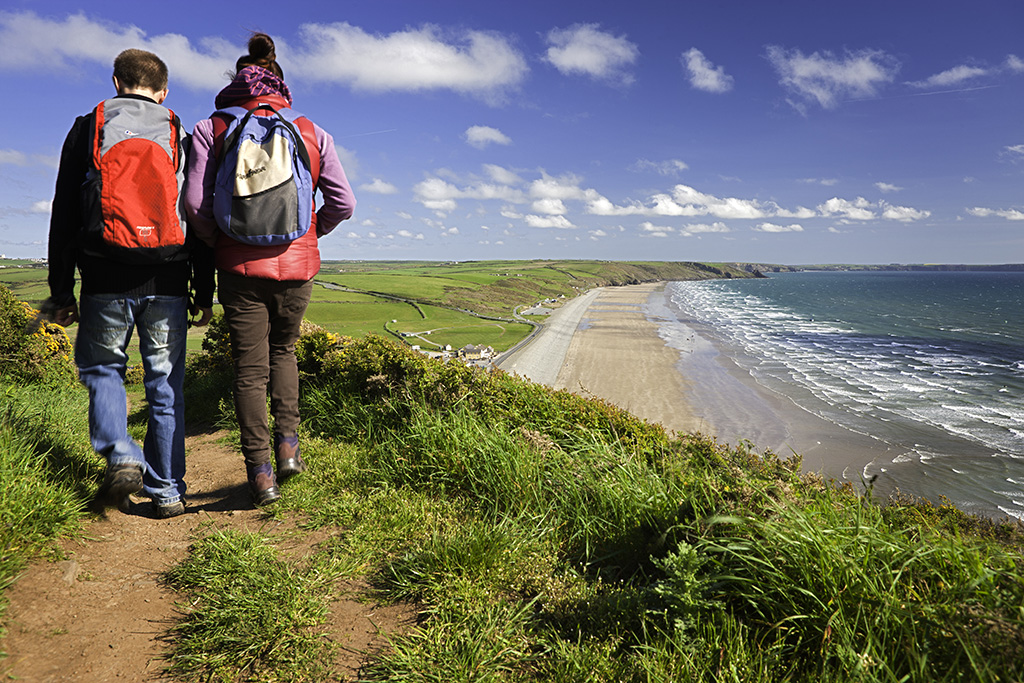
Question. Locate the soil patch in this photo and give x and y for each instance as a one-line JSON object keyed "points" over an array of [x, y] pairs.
{"points": [[101, 613]]}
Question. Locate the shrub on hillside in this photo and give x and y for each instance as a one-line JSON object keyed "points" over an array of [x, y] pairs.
{"points": [[388, 378], [32, 350]]}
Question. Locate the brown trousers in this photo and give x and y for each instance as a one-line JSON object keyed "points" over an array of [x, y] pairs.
{"points": [[263, 318]]}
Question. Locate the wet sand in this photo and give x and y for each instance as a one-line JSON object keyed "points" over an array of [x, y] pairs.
{"points": [[607, 344]]}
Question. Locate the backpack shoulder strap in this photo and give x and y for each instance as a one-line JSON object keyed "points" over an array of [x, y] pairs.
{"points": [[308, 132], [222, 118]]}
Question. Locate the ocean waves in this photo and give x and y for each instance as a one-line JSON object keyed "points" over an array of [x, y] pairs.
{"points": [[919, 361]]}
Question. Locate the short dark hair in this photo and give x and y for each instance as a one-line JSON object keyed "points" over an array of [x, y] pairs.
{"points": [[140, 69]]}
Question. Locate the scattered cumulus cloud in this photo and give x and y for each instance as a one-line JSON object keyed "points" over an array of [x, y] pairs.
{"points": [[653, 230], [772, 227], [703, 74], [584, 49], [378, 186], [860, 209], [824, 79], [441, 196], [560, 222], [798, 212], [42, 206], [478, 63], [550, 206], [827, 182], [700, 228], [502, 175], [482, 136], [888, 187], [682, 201], [1008, 214], [1014, 63], [903, 214], [32, 43], [669, 167]]}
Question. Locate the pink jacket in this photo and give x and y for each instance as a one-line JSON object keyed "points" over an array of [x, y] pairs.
{"points": [[299, 260]]}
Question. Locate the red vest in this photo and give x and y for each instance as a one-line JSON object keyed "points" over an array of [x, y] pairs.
{"points": [[298, 260]]}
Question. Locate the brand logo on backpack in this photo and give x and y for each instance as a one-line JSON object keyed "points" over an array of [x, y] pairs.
{"points": [[131, 197], [263, 193]]}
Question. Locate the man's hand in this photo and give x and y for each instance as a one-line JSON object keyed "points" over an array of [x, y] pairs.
{"points": [[66, 316], [204, 315]]}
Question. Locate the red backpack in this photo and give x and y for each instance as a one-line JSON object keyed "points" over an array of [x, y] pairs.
{"points": [[132, 195]]}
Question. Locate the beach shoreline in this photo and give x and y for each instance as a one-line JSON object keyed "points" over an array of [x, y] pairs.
{"points": [[608, 344]]}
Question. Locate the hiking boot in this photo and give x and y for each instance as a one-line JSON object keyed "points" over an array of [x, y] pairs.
{"points": [[262, 484], [119, 482], [170, 509], [289, 459]]}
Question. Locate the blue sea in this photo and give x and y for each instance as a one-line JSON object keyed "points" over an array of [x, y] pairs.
{"points": [[928, 365]]}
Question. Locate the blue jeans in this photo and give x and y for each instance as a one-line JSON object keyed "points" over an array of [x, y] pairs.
{"points": [[106, 322]]}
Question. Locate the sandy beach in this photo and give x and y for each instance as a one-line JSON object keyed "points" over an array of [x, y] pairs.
{"points": [[606, 343]]}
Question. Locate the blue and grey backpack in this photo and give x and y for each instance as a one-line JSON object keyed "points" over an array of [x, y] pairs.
{"points": [[264, 188]]}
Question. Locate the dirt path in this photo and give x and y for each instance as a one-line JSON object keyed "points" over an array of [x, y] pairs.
{"points": [[100, 614]]}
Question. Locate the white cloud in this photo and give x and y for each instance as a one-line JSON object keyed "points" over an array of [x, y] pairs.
{"points": [[861, 209], [416, 59], [549, 206], [669, 167], [951, 77], [481, 136], [1015, 149], [1014, 64], [352, 235], [825, 79], [29, 42], [799, 212], [858, 210], [772, 227], [888, 187], [502, 175], [683, 201], [827, 182], [560, 222], [440, 195], [378, 186], [703, 74], [408, 235], [585, 49], [13, 157], [903, 214], [1010, 215], [42, 206], [698, 228], [655, 230]]}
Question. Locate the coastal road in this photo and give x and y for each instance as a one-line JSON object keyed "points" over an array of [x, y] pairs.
{"points": [[542, 358]]}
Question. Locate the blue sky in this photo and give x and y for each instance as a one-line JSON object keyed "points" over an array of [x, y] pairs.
{"points": [[713, 130]]}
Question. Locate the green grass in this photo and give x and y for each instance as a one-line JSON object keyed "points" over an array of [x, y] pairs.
{"points": [[27, 283], [248, 613], [47, 469], [545, 537]]}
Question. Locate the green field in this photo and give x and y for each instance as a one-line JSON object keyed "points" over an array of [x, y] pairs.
{"points": [[434, 302]]}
